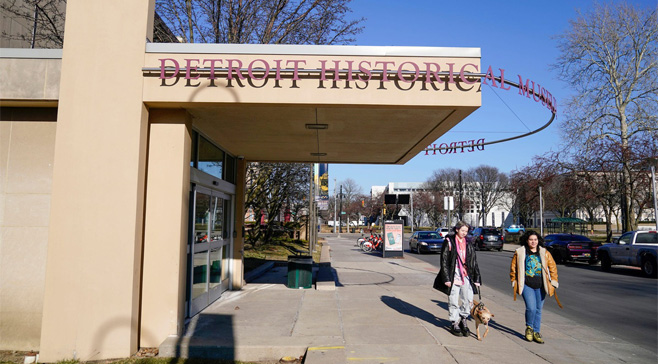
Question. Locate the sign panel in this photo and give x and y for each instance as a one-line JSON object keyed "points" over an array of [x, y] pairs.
{"points": [[448, 203], [393, 236], [323, 176]]}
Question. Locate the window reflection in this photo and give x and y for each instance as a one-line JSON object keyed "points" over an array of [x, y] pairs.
{"points": [[211, 158], [215, 267], [202, 217], [200, 274]]}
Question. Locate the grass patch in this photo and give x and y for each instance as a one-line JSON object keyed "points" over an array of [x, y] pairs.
{"points": [[277, 250]]}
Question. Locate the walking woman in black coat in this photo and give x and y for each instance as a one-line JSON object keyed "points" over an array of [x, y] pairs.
{"points": [[459, 277]]}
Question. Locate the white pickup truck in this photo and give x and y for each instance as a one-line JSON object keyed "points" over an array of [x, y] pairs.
{"points": [[634, 248]]}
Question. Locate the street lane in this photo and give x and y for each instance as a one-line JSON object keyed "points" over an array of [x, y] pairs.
{"points": [[622, 303]]}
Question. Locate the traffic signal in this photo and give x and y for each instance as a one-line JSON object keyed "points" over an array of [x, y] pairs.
{"points": [[363, 203]]}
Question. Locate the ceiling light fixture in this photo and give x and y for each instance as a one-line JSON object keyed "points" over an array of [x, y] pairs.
{"points": [[317, 126]]}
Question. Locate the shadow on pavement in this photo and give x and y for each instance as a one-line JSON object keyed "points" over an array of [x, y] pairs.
{"points": [[502, 328], [414, 311], [373, 282]]}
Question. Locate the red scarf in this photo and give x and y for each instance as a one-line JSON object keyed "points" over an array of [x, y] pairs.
{"points": [[461, 251]]}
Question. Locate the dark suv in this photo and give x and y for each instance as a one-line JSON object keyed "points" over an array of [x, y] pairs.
{"points": [[487, 238]]}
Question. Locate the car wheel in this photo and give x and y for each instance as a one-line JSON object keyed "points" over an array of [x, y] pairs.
{"points": [[649, 267], [500, 249], [418, 249], [606, 264], [411, 248]]}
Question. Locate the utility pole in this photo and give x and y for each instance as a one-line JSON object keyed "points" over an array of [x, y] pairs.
{"points": [[340, 217], [541, 213], [461, 192], [655, 203], [411, 201], [312, 219], [335, 205]]}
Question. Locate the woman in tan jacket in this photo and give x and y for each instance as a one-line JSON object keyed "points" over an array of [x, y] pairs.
{"points": [[534, 274]]}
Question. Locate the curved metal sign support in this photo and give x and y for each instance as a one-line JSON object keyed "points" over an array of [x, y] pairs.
{"points": [[499, 79]]}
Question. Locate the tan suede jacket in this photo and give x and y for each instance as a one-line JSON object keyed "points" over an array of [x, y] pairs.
{"points": [[549, 271]]}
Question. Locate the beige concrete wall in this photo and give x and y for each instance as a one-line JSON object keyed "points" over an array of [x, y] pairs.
{"points": [[26, 161], [165, 227], [29, 80], [93, 269]]}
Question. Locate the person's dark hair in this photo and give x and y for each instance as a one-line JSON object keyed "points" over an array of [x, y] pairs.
{"points": [[524, 238], [458, 226]]}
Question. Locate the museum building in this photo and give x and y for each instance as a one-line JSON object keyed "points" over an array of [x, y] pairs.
{"points": [[123, 162]]}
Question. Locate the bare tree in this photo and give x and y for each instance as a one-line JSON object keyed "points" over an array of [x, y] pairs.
{"points": [[35, 23], [608, 56], [429, 204], [490, 185], [350, 190], [261, 21], [271, 188]]}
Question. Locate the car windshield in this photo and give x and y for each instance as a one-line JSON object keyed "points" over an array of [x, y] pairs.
{"points": [[428, 236], [489, 231]]}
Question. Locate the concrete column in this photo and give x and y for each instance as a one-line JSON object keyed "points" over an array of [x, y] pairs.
{"points": [[165, 227], [237, 279], [93, 268]]}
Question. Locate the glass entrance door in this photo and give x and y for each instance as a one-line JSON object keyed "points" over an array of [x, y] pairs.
{"points": [[209, 248]]}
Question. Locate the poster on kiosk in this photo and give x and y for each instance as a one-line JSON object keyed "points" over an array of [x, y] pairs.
{"points": [[393, 237]]}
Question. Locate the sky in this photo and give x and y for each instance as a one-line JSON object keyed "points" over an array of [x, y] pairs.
{"points": [[517, 36]]}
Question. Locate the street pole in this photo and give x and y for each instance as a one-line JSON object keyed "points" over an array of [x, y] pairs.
{"points": [[541, 213], [335, 205], [340, 217], [311, 215], [461, 191], [411, 201], [655, 203]]}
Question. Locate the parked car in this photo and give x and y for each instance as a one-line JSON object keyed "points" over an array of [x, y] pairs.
{"points": [[572, 247], [425, 241], [487, 238], [443, 231], [635, 248], [515, 229]]}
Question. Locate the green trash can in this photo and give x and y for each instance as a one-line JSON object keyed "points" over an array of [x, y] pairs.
{"points": [[300, 271]]}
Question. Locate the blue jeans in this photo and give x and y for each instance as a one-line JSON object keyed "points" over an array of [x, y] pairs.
{"points": [[534, 301]]}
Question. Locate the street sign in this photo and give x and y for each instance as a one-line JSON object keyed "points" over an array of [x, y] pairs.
{"points": [[448, 203]]}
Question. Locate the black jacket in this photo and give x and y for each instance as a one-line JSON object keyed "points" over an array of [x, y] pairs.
{"points": [[449, 262]]}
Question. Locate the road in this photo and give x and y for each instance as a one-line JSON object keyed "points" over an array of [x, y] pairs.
{"points": [[622, 303]]}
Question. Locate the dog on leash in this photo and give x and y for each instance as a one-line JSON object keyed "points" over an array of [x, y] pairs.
{"points": [[482, 316]]}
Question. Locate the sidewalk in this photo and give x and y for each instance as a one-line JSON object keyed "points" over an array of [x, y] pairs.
{"points": [[381, 311]]}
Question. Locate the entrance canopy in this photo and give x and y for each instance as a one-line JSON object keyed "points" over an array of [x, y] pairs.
{"points": [[335, 104]]}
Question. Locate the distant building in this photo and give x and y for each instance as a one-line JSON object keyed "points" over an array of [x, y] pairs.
{"points": [[499, 215]]}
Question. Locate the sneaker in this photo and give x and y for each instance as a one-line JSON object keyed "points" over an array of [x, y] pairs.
{"points": [[537, 337], [455, 330], [529, 333], [464, 328]]}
